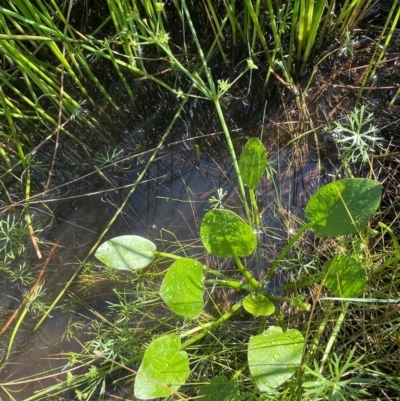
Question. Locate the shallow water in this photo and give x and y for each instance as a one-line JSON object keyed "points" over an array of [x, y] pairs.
{"points": [[168, 205]]}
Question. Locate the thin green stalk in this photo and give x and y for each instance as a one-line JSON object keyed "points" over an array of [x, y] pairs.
{"points": [[256, 225], [363, 300], [316, 67], [119, 11], [73, 53], [215, 20], [246, 273], [38, 72], [314, 20], [224, 318], [231, 14], [117, 213], [234, 160], [136, 70], [42, 115], [260, 32], [29, 300], [313, 344], [13, 129], [261, 326], [167, 255], [256, 22], [118, 70], [392, 261], [334, 335], [45, 20], [28, 216], [373, 65], [6, 159], [324, 31], [274, 28], [280, 319], [237, 285], [15, 331], [285, 250], [37, 38], [302, 28], [212, 92], [393, 236], [310, 280], [213, 95], [291, 50]]}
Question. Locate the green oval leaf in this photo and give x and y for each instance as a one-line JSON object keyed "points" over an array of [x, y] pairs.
{"points": [[258, 305], [224, 232], [252, 163], [346, 277], [127, 252], [274, 356], [219, 389], [343, 207], [182, 287], [164, 369]]}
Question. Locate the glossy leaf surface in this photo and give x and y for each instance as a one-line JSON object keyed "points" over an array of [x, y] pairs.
{"points": [[182, 287], [258, 305], [224, 232], [252, 163], [343, 207], [346, 277], [164, 369], [127, 252], [274, 356]]}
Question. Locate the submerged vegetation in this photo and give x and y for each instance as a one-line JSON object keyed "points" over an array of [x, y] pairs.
{"points": [[92, 99]]}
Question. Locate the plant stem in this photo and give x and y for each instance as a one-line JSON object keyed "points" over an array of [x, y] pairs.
{"points": [[117, 213], [334, 334], [256, 225], [234, 159], [226, 316], [285, 250], [246, 273], [312, 279], [15, 331], [167, 255], [230, 283]]}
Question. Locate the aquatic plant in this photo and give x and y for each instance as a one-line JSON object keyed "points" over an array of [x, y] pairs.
{"points": [[274, 353], [55, 58], [12, 238], [356, 138], [335, 385]]}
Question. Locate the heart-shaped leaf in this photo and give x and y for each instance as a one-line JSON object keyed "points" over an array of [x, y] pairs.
{"points": [[343, 207], [182, 287], [258, 305], [164, 369], [346, 277], [224, 233], [274, 356], [219, 389], [252, 163], [127, 252]]}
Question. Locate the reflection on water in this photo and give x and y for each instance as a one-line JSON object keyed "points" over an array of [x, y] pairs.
{"points": [[168, 207], [39, 353]]}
